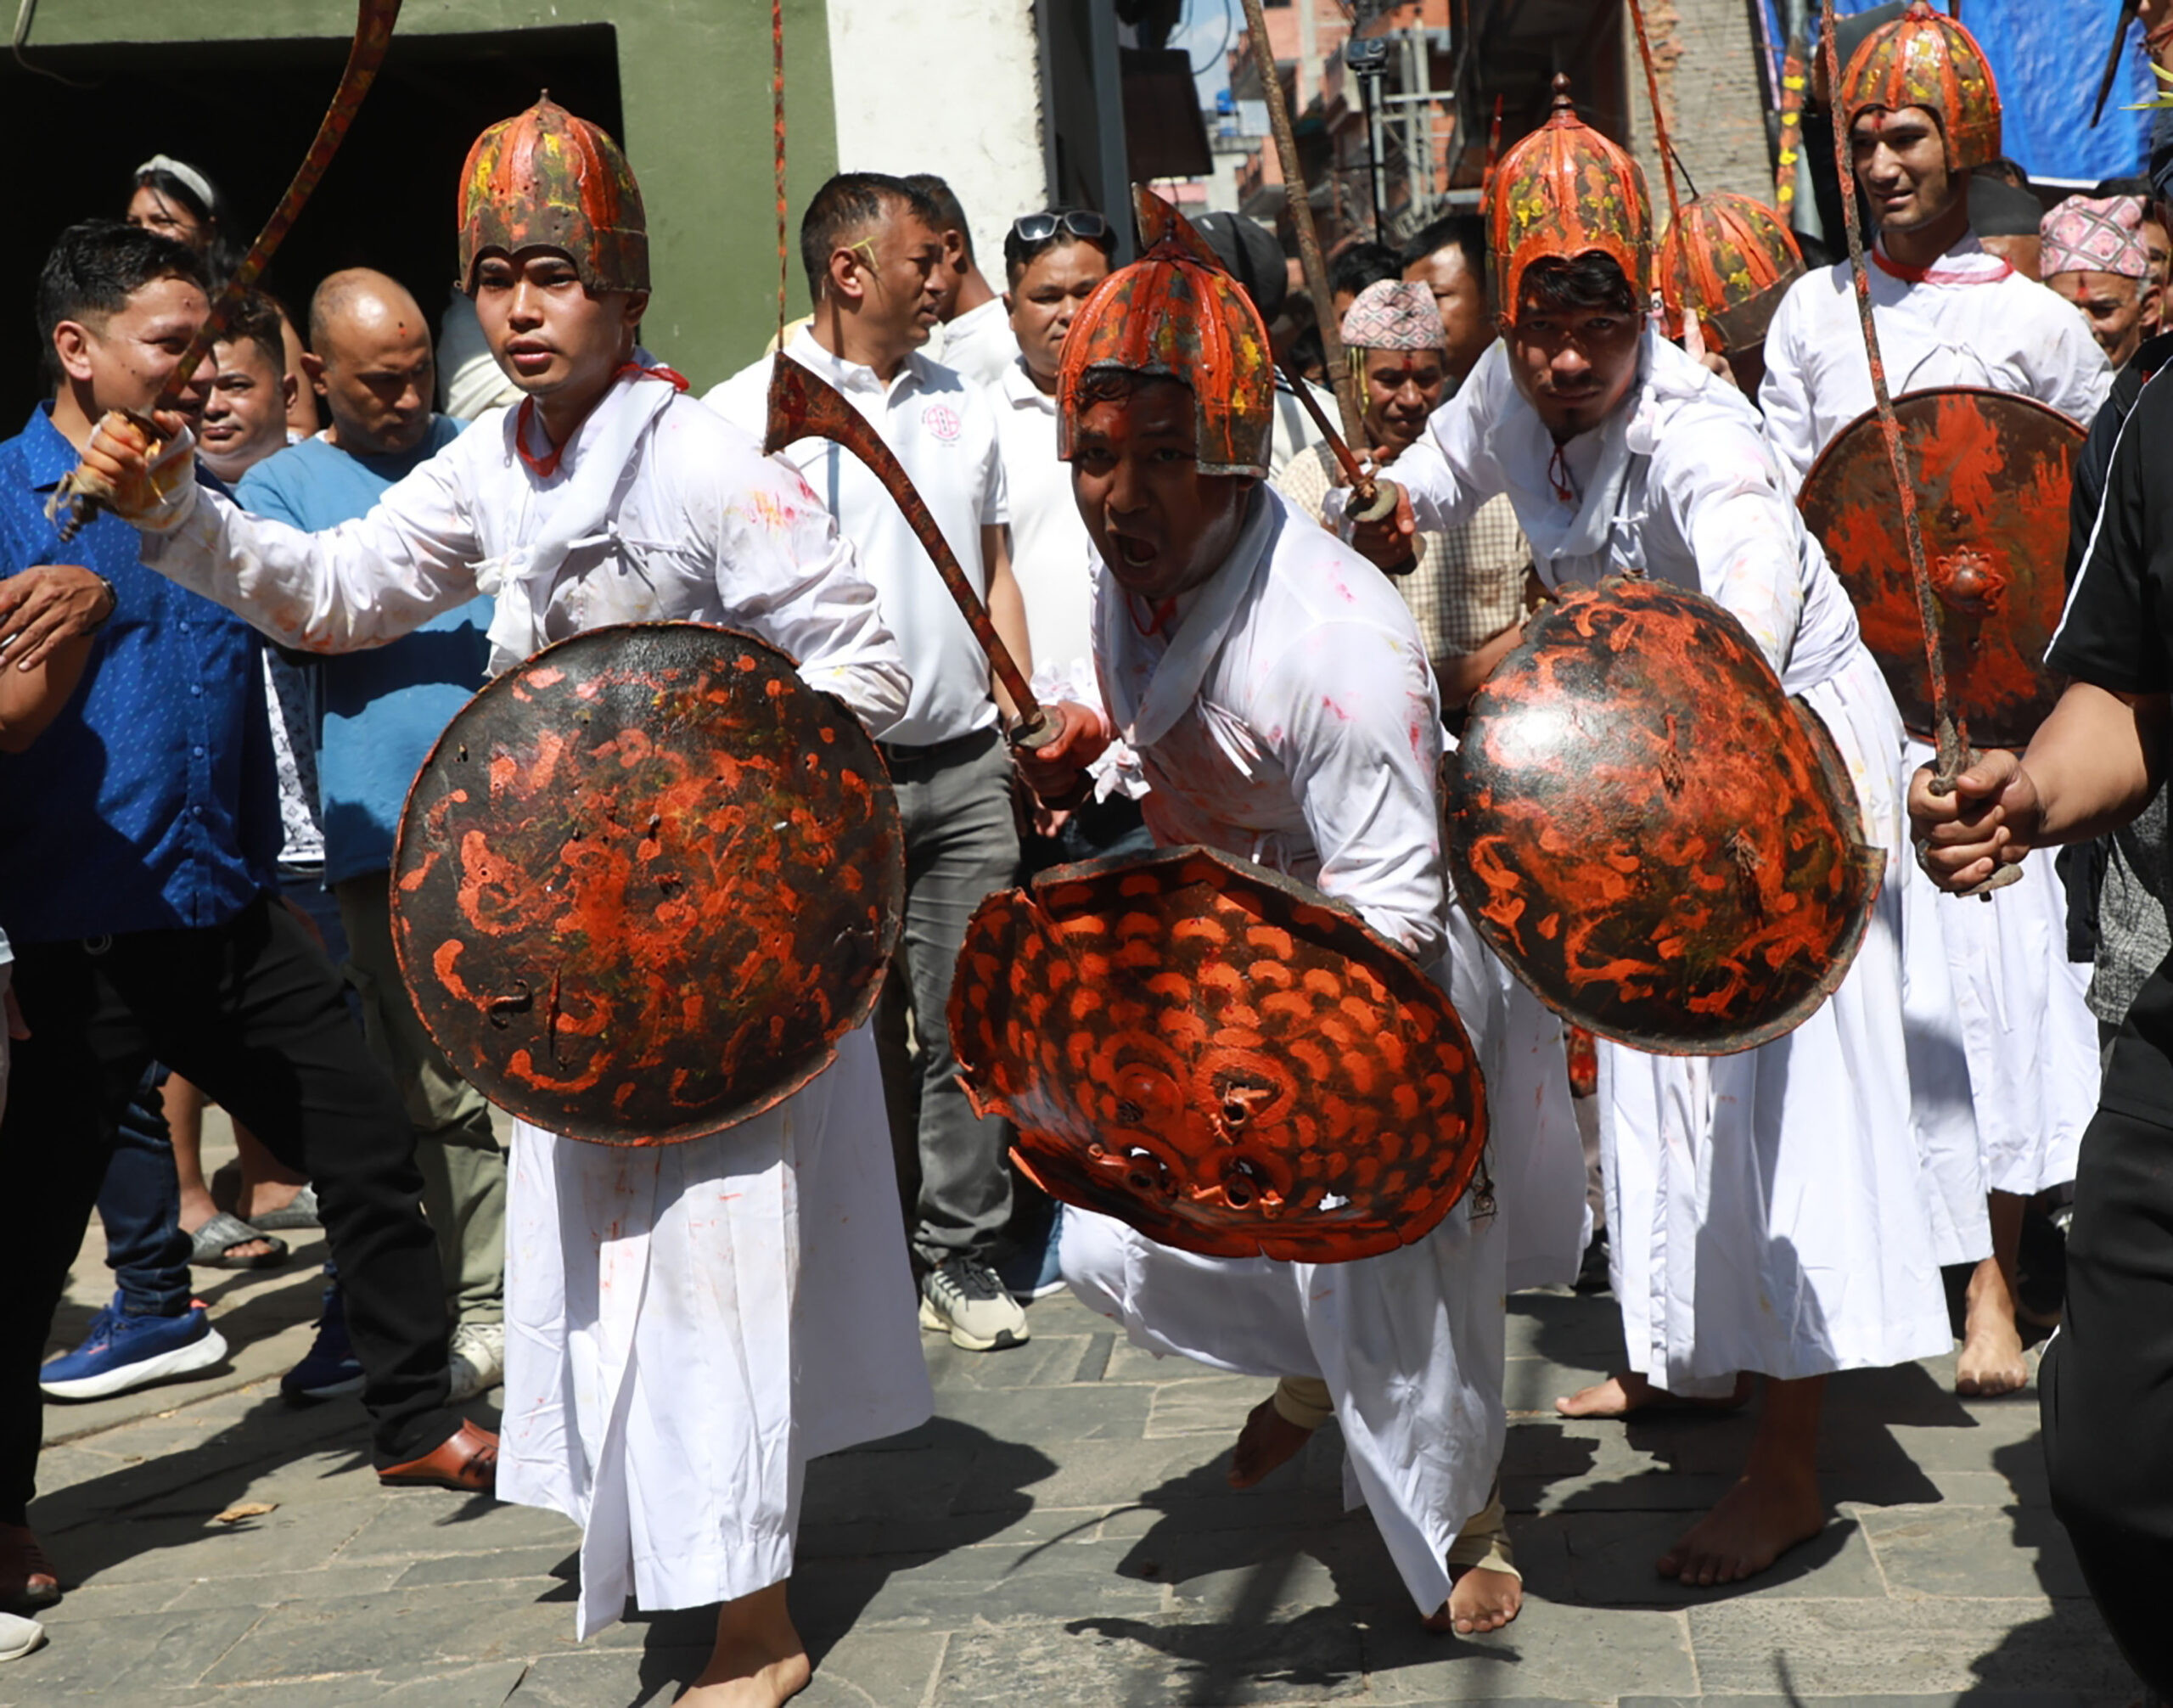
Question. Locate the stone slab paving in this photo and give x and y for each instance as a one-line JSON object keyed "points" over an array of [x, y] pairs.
{"points": [[1060, 1534]]}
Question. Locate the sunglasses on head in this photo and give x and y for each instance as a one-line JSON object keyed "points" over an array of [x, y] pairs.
{"points": [[1080, 222]]}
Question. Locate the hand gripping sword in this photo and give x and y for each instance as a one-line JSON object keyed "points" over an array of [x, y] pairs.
{"points": [[80, 496], [803, 404], [1951, 733]]}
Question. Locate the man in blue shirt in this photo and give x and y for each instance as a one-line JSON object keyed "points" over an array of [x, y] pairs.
{"points": [[137, 846], [379, 711]]}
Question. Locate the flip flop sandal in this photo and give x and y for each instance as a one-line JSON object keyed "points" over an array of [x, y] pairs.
{"points": [[222, 1234], [299, 1213]]}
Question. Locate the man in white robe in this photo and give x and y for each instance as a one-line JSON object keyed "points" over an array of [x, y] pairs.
{"points": [[1762, 1218], [1271, 688], [1949, 312], [688, 1324]]}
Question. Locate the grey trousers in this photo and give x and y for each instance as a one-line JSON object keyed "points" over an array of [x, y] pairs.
{"points": [[463, 1168], [961, 843]]}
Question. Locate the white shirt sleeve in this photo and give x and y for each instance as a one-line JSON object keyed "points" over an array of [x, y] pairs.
{"points": [[1730, 502], [2076, 378], [1450, 471], [1361, 743], [787, 576], [1784, 396], [359, 585]]}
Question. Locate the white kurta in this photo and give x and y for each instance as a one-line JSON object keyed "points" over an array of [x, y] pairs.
{"points": [[1766, 1210], [686, 1325], [1285, 714], [2012, 1002]]}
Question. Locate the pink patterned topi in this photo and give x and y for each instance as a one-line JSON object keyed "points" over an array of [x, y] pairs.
{"points": [[1393, 314], [2083, 235]]}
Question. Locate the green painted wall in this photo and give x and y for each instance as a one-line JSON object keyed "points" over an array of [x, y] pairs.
{"points": [[694, 82]]}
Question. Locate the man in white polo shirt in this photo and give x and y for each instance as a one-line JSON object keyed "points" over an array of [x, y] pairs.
{"points": [[870, 243]]}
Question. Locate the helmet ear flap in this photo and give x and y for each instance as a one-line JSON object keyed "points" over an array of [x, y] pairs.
{"points": [[545, 179], [1562, 192]]}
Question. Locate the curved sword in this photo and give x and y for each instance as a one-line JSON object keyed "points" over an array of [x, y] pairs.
{"points": [[79, 498]]}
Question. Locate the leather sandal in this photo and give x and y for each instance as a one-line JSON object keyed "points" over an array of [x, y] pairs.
{"points": [[466, 1461]]}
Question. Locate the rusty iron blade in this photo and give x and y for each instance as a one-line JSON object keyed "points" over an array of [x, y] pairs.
{"points": [[805, 405], [79, 498]]}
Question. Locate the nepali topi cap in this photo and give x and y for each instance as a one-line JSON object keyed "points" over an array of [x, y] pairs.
{"points": [[2087, 234], [1393, 314]]}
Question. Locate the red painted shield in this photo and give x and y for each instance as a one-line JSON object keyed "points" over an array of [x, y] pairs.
{"points": [[1663, 846], [644, 882], [1222, 1059], [1992, 474]]}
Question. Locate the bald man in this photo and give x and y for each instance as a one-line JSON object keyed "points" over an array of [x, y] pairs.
{"points": [[370, 359]]}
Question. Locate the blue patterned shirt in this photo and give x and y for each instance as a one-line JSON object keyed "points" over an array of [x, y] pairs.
{"points": [[149, 803]]}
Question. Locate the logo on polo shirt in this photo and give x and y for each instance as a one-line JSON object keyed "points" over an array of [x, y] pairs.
{"points": [[942, 422]]}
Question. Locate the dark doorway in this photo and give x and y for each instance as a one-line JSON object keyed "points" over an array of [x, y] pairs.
{"points": [[243, 112]]}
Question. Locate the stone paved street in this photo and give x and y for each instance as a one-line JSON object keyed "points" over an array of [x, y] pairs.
{"points": [[1059, 1534]]}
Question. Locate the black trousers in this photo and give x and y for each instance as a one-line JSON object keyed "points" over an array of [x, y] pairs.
{"points": [[2106, 1386], [253, 1013]]}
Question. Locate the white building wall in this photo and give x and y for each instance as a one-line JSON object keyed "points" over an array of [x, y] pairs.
{"points": [[949, 86]]}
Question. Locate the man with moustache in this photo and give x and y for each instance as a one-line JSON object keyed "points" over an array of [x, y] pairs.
{"points": [[872, 245], [672, 1418]]}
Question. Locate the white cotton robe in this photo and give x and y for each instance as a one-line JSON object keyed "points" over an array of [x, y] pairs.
{"points": [[687, 1325], [1766, 1211], [1284, 713], [2014, 1002]]}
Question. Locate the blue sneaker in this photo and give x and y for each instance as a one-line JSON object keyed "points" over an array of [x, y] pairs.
{"points": [[329, 1370], [122, 1353], [1030, 1273]]}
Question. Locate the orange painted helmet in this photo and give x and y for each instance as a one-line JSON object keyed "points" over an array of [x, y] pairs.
{"points": [[1564, 191], [1733, 260], [1924, 58], [549, 180], [1176, 313]]}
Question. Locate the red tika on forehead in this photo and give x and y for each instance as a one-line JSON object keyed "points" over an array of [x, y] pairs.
{"points": [[1924, 58], [1564, 191], [1176, 313], [549, 180], [1733, 260]]}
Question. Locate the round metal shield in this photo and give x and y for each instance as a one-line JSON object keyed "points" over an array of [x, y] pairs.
{"points": [[1656, 840], [644, 882], [1992, 473], [1220, 1058]]}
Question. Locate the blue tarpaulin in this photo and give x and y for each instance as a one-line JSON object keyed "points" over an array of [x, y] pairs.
{"points": [[2047, 56]]}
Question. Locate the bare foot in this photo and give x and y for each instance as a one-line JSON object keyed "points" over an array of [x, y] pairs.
{"points": [[1761, 1518], [1618, 1396], [1483, 1600], [1992, 1360], [1268, 1440], [759, 1660]]}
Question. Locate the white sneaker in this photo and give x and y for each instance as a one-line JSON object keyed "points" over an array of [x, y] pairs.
{"points": [[18, 1636], [967, 1300], [478, 1363]]}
